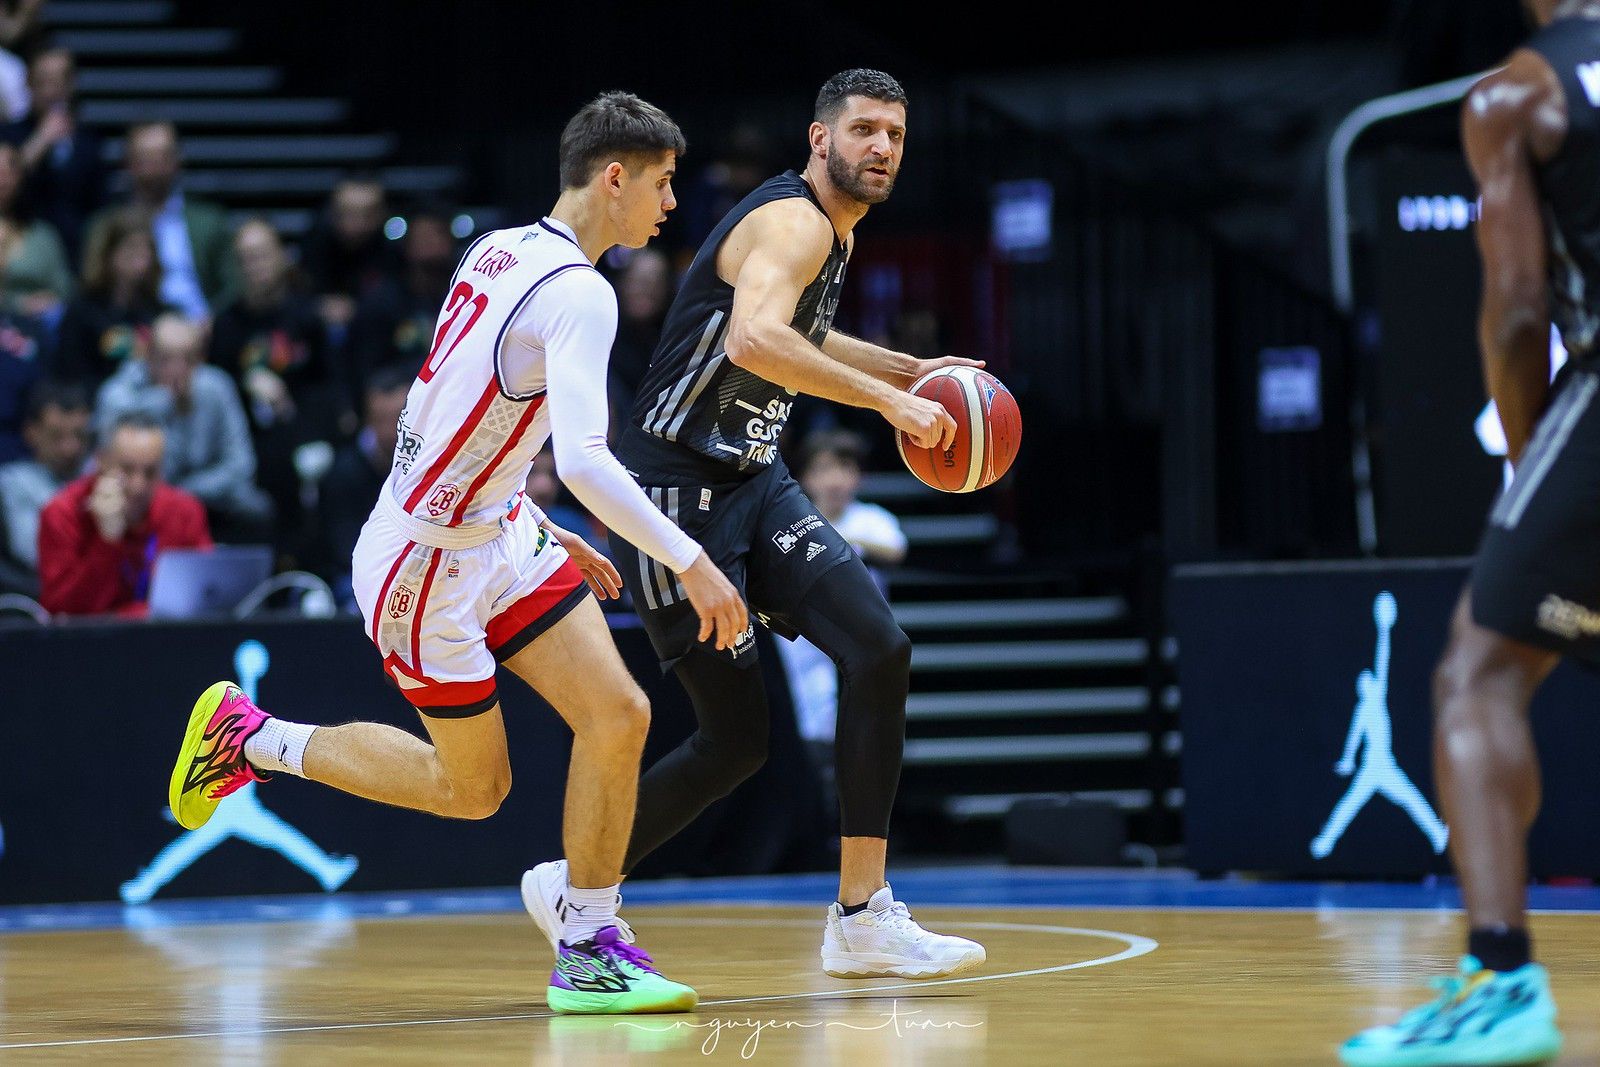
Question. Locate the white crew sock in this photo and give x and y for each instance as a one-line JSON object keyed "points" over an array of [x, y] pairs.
{"points": [[279, 746], [588, 910]]}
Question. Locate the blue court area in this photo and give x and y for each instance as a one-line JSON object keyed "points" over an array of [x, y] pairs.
{"points": [[984, 886]]}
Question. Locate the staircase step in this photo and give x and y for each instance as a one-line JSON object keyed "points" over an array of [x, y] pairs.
{"points": [[132, 81], [888, 486], [999, 656], [87, 44], [993, 614], [361, 149], [950, 529], [106, 13], [996, 805], [293, 181], [1033, 703], [219, 111], [931, 751]]}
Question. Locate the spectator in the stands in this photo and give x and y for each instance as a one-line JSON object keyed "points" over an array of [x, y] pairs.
{"points": [[272, 342], [56, 430], [744, 161], [829, 471], [99, 537], [21, 364], [394, 324], [19, 20], [108, 323], [37, 277], [351, 486], [193, 240], [644, 290], [346, 256], [208, 449], [66, 174]]}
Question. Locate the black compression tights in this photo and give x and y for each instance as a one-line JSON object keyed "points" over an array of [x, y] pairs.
{"points": [[846, 616]]}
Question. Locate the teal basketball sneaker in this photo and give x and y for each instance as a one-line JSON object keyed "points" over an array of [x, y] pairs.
{"points": [[1481, 1019]]}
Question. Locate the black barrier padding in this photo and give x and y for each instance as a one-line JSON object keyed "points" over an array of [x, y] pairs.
{"points": [[93, 716], [1269, 659]]}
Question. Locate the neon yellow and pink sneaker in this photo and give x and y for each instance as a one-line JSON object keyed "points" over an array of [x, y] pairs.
{"points": [[211, 763]]}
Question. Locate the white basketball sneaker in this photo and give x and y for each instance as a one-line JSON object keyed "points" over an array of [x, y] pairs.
{"points": [[544, 893], [883, 941]]}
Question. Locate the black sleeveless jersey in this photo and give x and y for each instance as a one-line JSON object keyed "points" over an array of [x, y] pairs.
{"points": [[696, 414], [1569, 184]]}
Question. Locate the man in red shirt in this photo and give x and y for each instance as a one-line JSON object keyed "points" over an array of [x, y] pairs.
{"points": [[99, 537]]}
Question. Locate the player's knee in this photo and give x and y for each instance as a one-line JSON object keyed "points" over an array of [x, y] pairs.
{"points": [[733, 758], [887, 652], [479, 798], [621, 723], [747, 759], [632, 717]]}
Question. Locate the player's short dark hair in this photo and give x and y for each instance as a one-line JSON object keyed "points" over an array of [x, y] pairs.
{"points": [[54, 393], [615, 126], [858, 81], [845, 445]]}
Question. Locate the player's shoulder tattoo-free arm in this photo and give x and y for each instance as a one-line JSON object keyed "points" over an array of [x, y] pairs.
{"points": [[1509, 119]]}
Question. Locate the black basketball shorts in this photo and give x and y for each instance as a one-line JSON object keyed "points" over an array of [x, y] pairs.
{"points": [[1537, 574], [764, 533]]}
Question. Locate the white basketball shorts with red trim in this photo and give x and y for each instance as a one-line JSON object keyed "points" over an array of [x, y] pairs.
{"points": [[442, 617]]}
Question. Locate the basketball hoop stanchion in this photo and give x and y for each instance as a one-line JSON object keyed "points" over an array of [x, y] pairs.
{"points": [[1340, 271], [318, 601]]}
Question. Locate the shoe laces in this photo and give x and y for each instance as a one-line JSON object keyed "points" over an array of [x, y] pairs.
{"points": [[619, 952], [898, 917], [1450, 989]]}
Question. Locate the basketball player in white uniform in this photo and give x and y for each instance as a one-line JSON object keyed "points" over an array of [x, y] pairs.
{"points": [[456, 569]]}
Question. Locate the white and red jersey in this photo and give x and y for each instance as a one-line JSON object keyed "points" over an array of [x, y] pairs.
{"points": [[519, 352]]}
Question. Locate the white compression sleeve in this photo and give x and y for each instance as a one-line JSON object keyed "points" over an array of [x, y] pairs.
{"points": [[574, 317]]}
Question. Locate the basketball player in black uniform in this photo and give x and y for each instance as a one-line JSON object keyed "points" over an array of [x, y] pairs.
{"points": [[1532, 136], [750, 329]]}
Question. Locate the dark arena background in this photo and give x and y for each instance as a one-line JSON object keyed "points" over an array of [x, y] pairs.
{"points": [[1224, 259]]}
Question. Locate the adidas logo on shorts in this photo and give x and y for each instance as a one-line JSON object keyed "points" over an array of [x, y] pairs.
{"points": [[813, 550]]}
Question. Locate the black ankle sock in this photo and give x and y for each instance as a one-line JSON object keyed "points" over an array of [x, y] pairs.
{"points": [[851, 909], [1500, 947]]}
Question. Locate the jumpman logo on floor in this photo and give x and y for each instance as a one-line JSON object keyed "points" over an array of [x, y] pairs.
{"points": [[1378, 773], [241, 815]]}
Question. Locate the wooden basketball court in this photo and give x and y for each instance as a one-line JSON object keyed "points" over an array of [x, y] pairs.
{"points": [[1081, 985]]}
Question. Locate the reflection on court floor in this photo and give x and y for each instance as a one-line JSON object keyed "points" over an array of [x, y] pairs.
{"points": [[1094, 968]]}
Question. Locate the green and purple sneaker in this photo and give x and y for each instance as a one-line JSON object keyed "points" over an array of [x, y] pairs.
{"points": [[607, 976]]}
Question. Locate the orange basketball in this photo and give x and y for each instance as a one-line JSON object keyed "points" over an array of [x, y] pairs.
{"points": [[988, 431]]}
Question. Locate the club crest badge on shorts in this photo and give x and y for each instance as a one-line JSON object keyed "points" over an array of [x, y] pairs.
{"points": [[400, 601]]}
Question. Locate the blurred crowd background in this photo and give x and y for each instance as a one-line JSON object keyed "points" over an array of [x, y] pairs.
{"points": [[236, 222]]}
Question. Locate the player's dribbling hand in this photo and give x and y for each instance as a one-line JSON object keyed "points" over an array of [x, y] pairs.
{"points": [[598, 571], [722, 611], [926, 422]]}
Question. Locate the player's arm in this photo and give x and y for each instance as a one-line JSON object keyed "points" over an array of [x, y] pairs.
{"points": [[770, 258], [1498, 120], [576, 316], [893, 368]]}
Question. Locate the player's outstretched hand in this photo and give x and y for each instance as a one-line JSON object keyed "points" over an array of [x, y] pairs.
{"points": [[720, 607], [926, 422], [599, 572], [928, 366]]}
